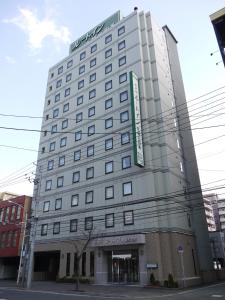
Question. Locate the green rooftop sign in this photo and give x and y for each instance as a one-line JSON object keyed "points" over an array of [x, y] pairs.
{"points": [[95, 31]]}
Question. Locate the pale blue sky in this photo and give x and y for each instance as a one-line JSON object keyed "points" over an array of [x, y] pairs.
{"points": [[36, 34]]}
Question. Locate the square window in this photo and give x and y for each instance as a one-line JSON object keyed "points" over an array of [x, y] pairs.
{"points": [[108, 144], [79, 117], [108, 68], [91, 130], [50, 165], [49, 101], [92, 62], [78, 135], [124, 116], [126, 162], [60, 181], [58, 83], [122, 61], [88, 223], [80, 84], [64, 124], [108, 39], [123, 96], [108, 53], [58, 203], [91, 111], [127, 188], [60, 70], [46, 117], [125, 138], [52, 146], [67, 92], [44, 229], [121, 30], [108, 85], [90, 173], [52, 75], [90, 150], [108, 167], [92, 77], [92, 93], [54, 129], [73, 225], [61, 161], [82, 55], [55, 113], [63, 142], [68, 77], [43, 150], [56, 227], [76, 176], [108, 123], [80, 100], [109, 192], [46, 206], [128, 217], [57, 97], [81, 69], [109, 220], [77, 155], [69, 64], [123, 78], [108, 103], [89, 197], [48, 185], [121, 45], [66, 107], [93, 48], [75, 200]]}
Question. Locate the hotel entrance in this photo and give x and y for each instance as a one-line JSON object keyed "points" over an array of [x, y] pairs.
{"points": [[123, 266]]}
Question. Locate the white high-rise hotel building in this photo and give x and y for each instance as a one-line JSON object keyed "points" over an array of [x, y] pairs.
{"points": [[117, 159]]}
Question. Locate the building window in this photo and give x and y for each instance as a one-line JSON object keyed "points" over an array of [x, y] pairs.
{"points": [[122, 61], [92, 77], [45, 132], [121, 45], [81, 69], [52, 146], [108, 123], [54, 129], [64, 124], [108, 167], [108, 68], [44, 229], [46, 206], [66, 107], [93, 62], [83, 264], [48, 185], [91, 130], [124, 116], [88, 223], [46, 117], [73, 225], [57, 97], [63, 142], [108, 39], [92, 263], [80, 100], [56, 227], [123, 78], [58, 203], [78, 135], [76, 176], [18, 215], [82, 55], [90, 173], [126, 162], [50, 165], [109, 220], [108, 53], [74, 200], [91, 111], [89, 196], [68, 264], [108, 103], [79, 117], [58, 83], [77, 155], [43, 150], [67, 92], [92, 93], [127, 188], [128, 217], [80, 84], [109, 192], [61, 161], [109, 144], [69, 64], [125, 138], [68, 77], [123, 96], [60, 70], [93, 48], [52, 75], [108, 85], [60, 181], [121, 30], [90, 150]]}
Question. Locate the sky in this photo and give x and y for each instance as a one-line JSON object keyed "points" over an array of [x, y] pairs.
{"points": [[36, 35]]}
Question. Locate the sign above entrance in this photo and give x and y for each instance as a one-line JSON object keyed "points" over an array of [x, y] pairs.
{"points": [[95, 31], [118, 240]]}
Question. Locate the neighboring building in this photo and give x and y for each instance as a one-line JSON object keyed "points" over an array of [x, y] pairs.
{"points": [[218, 248], [12, 214], [6, 195], [210, 211], [221, 208], [127, 175]]}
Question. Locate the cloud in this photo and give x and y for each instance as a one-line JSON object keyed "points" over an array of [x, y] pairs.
{"points": [[10, 59], [38, 30]]}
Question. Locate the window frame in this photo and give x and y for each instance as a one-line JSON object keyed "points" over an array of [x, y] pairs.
{"points": [[121, 30], [109, 100], [121, 76], [66, 107], [93, 151], [109, 163], [73, 223], [81, 69], [91, 130], [56, 227], [48, 185], [50, 165], [123, 113], [44, 229], [111, 145], [108, 39], [82, 55], [86, 220], [68, 77], [122, 138], [67, 92], [123, 159], [46, 203], [90, 109], [75, 155], [108, 85], [92, 77], [60, 181], [74, 196], [93, 62], [79, 117], [61, 161], [106, 220], [58, 206], [86, 197], [108, 68], [80, 100], [74, 174], [131, 188], [121, 45], [79, 134], [93, 48], [93, 91], [106, 189], [91, 171], [63, 142], [80, 84], [111, 124], [108, 53], [122, 61], [125, 223]]}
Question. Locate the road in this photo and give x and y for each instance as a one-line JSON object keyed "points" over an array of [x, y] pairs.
{"points": [[216, 291]]}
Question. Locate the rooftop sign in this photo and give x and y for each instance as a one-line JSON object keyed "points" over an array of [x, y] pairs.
{"points": [[95, 31]]}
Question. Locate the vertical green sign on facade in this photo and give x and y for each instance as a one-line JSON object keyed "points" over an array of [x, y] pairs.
{"points": [[136, 121]]}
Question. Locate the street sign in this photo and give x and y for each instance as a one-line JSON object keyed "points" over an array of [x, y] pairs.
{"points": [[180, 249]]}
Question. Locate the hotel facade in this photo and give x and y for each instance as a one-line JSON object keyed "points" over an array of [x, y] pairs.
{"points": [[117, 161]]}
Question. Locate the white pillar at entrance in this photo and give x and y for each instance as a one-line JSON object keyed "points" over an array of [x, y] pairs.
{"points": [[142, 266], [100, 266]]}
